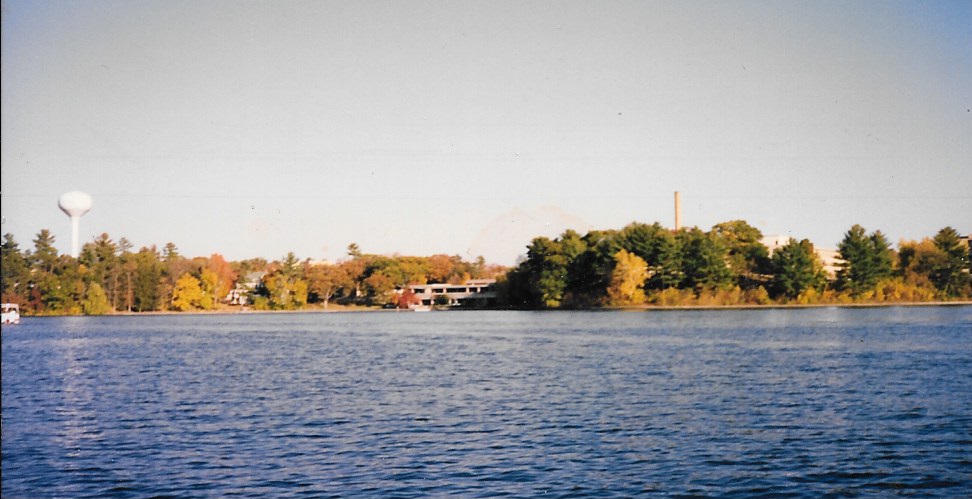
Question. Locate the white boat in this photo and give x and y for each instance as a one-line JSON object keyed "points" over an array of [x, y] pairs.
{"points": [[420, 308], [11, 313]]}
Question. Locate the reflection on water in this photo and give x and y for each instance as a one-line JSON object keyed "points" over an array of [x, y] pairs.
{"points": [[791, 403], [70, 365]]}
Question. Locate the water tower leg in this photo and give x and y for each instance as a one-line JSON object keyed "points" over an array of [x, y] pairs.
{"points": [[75, 249]]}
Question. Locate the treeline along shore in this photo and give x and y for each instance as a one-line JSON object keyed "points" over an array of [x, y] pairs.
{"points": [[640, 265]]}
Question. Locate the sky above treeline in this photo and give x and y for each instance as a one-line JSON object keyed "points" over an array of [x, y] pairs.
{"points": [[256, 128]]}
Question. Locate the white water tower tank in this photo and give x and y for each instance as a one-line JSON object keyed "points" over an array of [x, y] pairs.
{"points": [[75, 204]]}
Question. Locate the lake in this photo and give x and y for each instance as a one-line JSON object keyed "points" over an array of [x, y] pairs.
{"points": [[823, 402]]}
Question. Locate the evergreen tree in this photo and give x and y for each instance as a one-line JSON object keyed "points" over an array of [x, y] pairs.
{"points": [[667, 271], [170, 252], [101, 259], [949, 272], [704, 261], [865, 260], [147, 284], [47, 291], [658, 247], [44, 257], [15, 271], [796, 268]]}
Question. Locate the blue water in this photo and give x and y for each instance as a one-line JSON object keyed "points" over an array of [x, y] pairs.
{"points": [[735, 403]]}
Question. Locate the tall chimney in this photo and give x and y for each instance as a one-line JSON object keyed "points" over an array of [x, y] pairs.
{"points": [[678, 212]]}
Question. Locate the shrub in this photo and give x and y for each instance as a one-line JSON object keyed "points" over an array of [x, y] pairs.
{"points": [[673, 297]]}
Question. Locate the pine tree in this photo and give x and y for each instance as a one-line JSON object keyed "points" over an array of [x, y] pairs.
{"points": [[865, 260], [15, 272], [704, 261], [796, 268], [948, 273]]}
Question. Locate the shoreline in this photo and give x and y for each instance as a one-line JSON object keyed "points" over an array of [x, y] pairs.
{"points": [[633, 308]]}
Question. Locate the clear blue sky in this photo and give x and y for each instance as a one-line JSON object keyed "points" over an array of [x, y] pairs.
{"points": [[257, 128]]}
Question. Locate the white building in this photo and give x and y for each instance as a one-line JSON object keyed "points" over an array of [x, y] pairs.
{"points": [[475, 291], [829, 257]]}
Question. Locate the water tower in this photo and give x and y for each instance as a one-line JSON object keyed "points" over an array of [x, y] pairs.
{"points": [[75, 204]]}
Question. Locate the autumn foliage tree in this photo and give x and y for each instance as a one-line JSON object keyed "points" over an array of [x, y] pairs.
{"points": [[325, 281], [285, 287], [187, 294], [627, 279], [725, 265], [223, 275], [95, 301]]}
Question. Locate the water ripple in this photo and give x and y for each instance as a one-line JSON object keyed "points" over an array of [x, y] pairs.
{"points": [[762, 403]]}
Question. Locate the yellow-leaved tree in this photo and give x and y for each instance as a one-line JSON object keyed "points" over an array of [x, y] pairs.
{"points": [[95, 301], [627, 279], [187, 293], [209, 283]]}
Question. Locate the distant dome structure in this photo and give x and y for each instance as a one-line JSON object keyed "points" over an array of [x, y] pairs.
{"points": [[75, 204]]}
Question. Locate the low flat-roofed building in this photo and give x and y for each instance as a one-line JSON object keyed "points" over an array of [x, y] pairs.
{"points": [[474, 292]]}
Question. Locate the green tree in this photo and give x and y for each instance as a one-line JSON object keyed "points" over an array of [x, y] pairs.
{"points": [[949, 272], [170, 252], [748, 257], [657, 246], [285, 287], [865, 260], [187, 293], [627, 279], [127, 267], [796, 268], [52, 286], [95, 301], [547, 271], [704, 261], [667, 272], [174, 266], [147, 285], [15, 271], [44, 257], [589, 271], [916, 259], [101, 259]]}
